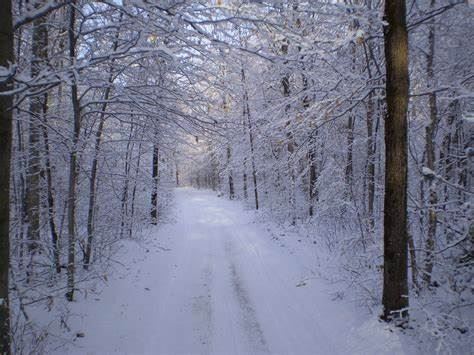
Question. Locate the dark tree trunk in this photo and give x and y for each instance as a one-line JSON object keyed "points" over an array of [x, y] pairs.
{"points": [[231, 180], [177, 175], [73, 157], [6, 58], [37, 109], [285, 83], [244, 177], [313, 176], [124, 199], [395, 285], [312, 153], [252, 152], [251, 141], [154, 190], [92, 189], [430, 159], [349, 171], [51, 203], [134, 189]]}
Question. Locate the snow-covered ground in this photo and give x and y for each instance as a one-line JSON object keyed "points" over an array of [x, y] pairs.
{"points": [[214, 282]]}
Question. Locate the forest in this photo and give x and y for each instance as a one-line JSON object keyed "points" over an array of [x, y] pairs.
{"points": [[326, 144]]}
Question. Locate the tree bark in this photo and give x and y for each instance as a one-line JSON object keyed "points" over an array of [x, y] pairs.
{"points": [[134, 189], [349, 171], [6, 58], [154, 191], [51, 204], [244, 178], [313, 174], [231, 180], [177, 174], [430, 159], [73, 156], [251, 141], [37, 110], [395, 285]]}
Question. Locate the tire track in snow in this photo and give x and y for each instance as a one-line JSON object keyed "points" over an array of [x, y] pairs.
{"points": [[250, 324], [203, 313]]}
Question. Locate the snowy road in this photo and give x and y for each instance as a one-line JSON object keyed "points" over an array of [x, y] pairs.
{"points": [[215, 283]]}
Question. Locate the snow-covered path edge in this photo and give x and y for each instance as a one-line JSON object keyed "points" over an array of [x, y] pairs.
{"points": [[214, 282]]}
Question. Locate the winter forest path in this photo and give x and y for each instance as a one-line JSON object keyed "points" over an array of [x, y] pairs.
{"points": [[214, 282]]}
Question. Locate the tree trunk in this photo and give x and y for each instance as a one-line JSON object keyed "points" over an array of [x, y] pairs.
{"points": [[349, 171], [51, 204], [6, 58], [124, 199], [312, 153], [395, 285], [414, 267], [73, 156], [154, 191], [37, 107], [134, 189], [95, 162], [92, 189], [430, 159], [251, 142], [231, 180], [313, 176], [285, 83], [244, 178], [370, 162], [177, 174]]}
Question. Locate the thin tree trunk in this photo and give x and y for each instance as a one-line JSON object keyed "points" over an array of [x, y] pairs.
{"points": [[37, 108], [22, 212], [251, 140], [285, 83], [313, 175], [154, 191], [371, 139], [252, 152], [95, 163], [124, 199], [395, 285], [231, 180], [92, 189], [73, 166], [414, 267], [6, 58], [349, 171], [244, 178], [51, 204], [177, 174], [370, 162], [134, 189], [430, 160]]}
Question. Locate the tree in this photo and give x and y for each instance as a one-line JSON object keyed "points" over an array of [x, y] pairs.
{"points": [[6, 84], [154, 189], [38, 109], [395, 283], [73, 156]]}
